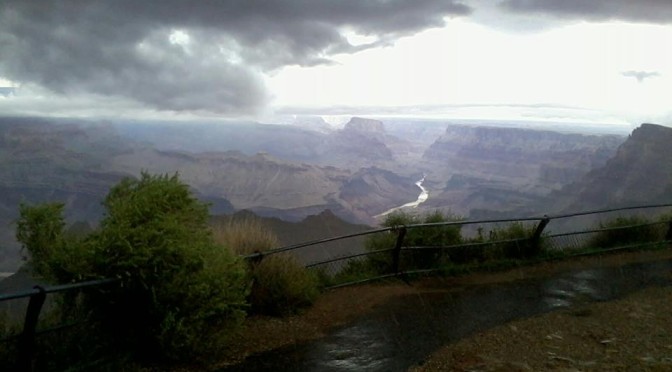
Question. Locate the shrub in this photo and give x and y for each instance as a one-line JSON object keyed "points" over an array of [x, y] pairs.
{"points": [[180, 289], [40, 230], [180, 292], [517, 242], [623, 231], [280, 284], [244, 236], [359, 268], [431, 236], [54, 255]]}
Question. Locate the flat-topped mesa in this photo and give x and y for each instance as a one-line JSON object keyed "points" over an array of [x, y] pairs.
{"points": [[360, 142], [363, 125]]}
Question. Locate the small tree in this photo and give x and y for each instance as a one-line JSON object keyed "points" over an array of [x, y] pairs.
{"points": [[40, 232], [181, 293], [52, 255], [282, 285]]}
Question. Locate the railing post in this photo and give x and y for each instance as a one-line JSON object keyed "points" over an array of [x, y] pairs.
{"points": [[535, 240], [255, 258], [396, 253], [27, 338]]}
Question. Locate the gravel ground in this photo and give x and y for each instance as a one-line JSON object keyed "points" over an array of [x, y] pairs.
{"points": [[630, 334]]}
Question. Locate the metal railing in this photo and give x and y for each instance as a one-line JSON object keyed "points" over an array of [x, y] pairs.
{"points": [[546, 237], [37, 297], [398, 256]]}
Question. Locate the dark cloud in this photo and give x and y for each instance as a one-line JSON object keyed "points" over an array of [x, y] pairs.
{"points": [[122, 47], [640, 75], [650, 11]]}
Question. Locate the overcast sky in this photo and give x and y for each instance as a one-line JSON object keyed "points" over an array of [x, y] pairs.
{"points": [[599, 60]]}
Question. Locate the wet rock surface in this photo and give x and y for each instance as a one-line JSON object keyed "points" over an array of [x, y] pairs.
{"points": [[404, 332]]}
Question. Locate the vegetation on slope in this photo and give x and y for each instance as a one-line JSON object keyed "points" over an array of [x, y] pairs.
{"points": [[281, 285], [446, 249], [180, 292], [184, 288]]}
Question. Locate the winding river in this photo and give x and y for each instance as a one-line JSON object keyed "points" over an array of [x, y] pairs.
{"points": [[424, 195]]}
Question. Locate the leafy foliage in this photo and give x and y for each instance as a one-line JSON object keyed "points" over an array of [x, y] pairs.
{"points": [[40, 231], [180, 293], [280, 284], [441, 247], [431, 236], [53, 255], [512, 242], [623, 231]]}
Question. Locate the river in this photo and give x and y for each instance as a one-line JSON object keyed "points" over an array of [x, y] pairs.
{"points": [[424, 195]]}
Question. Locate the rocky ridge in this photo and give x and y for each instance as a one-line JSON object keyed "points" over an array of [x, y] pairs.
{"points": [[639, 173], [505, 168]]}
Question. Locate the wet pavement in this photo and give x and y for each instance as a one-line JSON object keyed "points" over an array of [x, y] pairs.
{"points": [[404, 331]]}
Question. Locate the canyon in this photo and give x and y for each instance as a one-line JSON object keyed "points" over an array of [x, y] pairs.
{"points": [[356, 171]]}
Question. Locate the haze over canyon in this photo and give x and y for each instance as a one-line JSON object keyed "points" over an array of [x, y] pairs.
{"points": [[356, 171]]}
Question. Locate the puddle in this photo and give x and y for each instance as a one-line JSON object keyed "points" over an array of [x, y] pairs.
{"points": [[404, 331]]}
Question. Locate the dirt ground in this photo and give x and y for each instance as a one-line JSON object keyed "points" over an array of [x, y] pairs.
{"points": [[634, 333], [630, 334]]}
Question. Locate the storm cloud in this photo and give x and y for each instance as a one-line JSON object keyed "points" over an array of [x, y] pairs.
{"points": [[192, 55], [649, 11]]}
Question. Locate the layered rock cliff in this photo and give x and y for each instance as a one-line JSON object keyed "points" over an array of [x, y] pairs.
{"points": [[246, 181], [505, 168], [371, 191], [361, 143], [639, 173]]}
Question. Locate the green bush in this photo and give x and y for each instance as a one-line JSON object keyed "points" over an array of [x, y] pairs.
{"points": [[360, 268], [282, 286], [40, 230], [432, 236], [623, 231], [54, 255], [443, 236], [515, 241], [180, 293]]}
